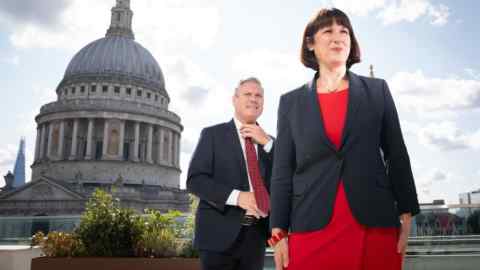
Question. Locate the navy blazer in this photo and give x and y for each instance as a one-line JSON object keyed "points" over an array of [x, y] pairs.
{"points": [[372, 160], [216, 168]]}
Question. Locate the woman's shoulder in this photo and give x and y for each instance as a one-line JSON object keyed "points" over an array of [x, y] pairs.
{"points": [[371, 82], [297, 92]]}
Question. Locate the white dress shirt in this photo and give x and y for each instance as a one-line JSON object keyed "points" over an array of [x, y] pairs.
{"points": [[233, 198]]}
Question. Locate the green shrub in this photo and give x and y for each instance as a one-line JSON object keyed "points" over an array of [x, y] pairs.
{"points": [[58, 244], [106, 229]]}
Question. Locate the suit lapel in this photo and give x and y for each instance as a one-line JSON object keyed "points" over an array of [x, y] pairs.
{"points": [[236, 150], [315, 120], [355, 96]]}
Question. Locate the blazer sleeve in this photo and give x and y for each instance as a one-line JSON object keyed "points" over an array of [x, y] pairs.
{"points": [[396, 158], [201, 179], [282, 172]]}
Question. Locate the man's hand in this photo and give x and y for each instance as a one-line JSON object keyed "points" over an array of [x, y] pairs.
{"points": [[406, 220], [246, 200], [255, 132], [280, 255]]}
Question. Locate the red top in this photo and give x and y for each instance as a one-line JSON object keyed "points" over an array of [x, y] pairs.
{"points": [[333, 107]]}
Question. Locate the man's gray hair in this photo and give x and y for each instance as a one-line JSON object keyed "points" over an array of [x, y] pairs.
{"points": [[249, 79]]}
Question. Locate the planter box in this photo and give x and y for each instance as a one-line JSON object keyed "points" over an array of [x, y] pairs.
{"points": [[111, 263]]}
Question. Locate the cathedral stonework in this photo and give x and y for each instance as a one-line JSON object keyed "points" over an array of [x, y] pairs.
{"points": [[110, 128]]}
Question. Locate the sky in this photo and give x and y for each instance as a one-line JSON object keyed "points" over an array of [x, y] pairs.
{"points": [[425, 49]]}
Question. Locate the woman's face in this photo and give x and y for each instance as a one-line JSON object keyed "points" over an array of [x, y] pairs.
{"points": [[331, 45]]}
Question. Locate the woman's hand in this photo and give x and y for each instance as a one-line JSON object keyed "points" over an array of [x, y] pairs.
{"points": [[406, 221], [280, 253]]}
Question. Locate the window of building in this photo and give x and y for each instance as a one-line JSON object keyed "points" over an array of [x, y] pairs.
{"points": [[105, 88], [117, 90], [73, 90], [65, 91], [139, 93], [94, 88], [156, 97], [82, 89], [148, 95], [129, 91]]}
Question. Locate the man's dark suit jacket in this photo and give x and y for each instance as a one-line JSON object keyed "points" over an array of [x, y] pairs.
{"points": [[217, 167], [372, 161]]}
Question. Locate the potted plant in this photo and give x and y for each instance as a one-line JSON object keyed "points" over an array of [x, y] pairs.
{"points": [[112, 237]]}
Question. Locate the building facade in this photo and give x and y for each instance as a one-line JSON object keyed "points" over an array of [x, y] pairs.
{"points": [[110, 128]]}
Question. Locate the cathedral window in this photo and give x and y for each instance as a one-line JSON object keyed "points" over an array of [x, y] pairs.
{"points": [[129, 91], [94, 88], [139, 93], [73, 90], [148, 95], [82, 89], [117, 90], [105, 88]]}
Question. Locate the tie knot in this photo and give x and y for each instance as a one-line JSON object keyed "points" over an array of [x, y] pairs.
{"points": [[249, 140]]}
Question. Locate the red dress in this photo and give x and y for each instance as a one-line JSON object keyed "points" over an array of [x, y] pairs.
{"points": [[343, 244]]}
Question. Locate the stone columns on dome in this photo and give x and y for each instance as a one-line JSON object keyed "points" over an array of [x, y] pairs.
{"points": [[160, 145], [42, 141], [149, 144], [170, 147], [49, 140], [37, 143], [121, 140], [105, 139], [177, 150], [88, 154], [73, 150], [136, 142], [61, 140]]}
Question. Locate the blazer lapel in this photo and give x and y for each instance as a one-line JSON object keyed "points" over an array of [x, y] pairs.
{"points": [[236, 150], [355, 96], [314, 115]]}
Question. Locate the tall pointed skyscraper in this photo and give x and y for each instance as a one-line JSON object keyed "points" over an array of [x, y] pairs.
{"points": [[19, 170]]}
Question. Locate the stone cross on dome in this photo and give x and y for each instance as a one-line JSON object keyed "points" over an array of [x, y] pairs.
{"points": [[121, 21]]}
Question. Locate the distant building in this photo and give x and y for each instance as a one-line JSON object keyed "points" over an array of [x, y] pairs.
{"points": [[472, 197], [19, 169], [437, 206]]}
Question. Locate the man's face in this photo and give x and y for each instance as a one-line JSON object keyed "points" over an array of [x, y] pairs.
{"points": [[248, 102]]}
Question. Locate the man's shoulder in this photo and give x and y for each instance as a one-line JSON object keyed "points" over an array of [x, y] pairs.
{"points": [[221, 127]]}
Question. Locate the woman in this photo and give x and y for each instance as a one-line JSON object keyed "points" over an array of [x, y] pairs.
{"points": [[342, 185]]}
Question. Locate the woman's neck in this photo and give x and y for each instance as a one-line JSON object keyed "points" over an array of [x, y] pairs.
{"points": [[331, 79]]}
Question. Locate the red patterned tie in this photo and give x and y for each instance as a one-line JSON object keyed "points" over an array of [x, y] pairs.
{"points": [[261, 194]]}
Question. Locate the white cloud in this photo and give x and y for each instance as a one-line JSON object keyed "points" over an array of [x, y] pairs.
{"points": [[431, 179], [419, 93], [11, 60], [395, 11], [447, 136], [160, 25], [360, 8]]}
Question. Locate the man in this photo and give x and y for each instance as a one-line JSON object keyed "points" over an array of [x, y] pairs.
{"points": [[230, 172]]}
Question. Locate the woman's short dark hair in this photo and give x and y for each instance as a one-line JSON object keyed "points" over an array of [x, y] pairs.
{"points": [[323, 18]]}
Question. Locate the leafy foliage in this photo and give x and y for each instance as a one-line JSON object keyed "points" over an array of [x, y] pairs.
{"points": [[106, 229]]}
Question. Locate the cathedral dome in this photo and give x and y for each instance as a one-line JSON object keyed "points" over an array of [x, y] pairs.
{"points": [[116, 55]]}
